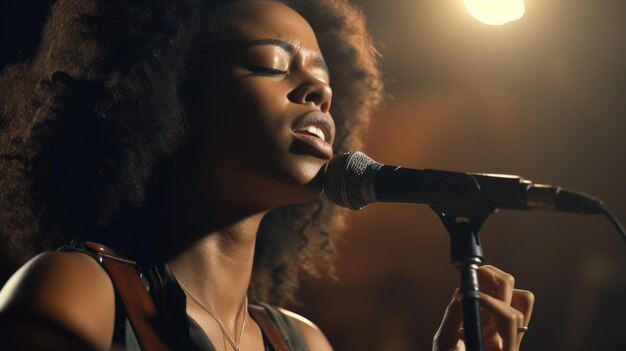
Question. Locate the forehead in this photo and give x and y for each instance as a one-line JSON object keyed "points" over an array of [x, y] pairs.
{"points": [[273, 20]]}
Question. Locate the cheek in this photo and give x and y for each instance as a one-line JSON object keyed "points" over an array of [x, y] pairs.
{"points": [[268, 101], [262, 107], [249, 138], [249, 123]]}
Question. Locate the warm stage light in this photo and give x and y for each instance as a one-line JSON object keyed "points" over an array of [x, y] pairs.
{"points": [[495, 12]]}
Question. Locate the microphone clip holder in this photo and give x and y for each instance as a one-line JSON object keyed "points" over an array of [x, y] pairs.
{"points": [[463, 222]]}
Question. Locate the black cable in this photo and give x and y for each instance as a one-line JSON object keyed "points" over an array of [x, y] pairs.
{"points": [[615, 221]]}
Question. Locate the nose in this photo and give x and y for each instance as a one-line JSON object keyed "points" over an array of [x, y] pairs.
{"points": [[313, 91]]}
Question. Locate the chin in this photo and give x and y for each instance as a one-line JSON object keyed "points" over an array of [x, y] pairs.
{"points": [[306, 178]]}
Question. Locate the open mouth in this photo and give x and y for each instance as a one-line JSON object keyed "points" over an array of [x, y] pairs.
{"points": [[313, 131]]}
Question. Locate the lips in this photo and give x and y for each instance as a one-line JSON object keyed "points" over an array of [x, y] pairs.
{"points": [[314, 133]]}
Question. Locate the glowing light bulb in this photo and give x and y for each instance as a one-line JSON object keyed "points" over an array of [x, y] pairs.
{"points": [[495, 12]]}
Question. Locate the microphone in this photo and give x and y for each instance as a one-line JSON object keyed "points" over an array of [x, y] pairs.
{"points": [[354, 180]]}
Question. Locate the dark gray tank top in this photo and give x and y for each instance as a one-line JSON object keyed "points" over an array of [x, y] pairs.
{"points": [[176, 327]]}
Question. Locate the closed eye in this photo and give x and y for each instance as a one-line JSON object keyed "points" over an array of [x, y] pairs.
{"points": [[265, 70]]}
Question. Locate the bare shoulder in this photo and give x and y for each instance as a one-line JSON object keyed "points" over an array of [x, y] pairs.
{"points": [[68, 287], [314, 337]]}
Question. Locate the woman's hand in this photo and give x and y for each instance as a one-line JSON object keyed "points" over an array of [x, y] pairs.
{"points": [[505, 313]]}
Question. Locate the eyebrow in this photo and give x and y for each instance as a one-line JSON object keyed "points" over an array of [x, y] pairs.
{"points": [[290, 47]]}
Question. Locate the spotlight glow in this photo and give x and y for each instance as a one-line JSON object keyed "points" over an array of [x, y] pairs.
{"points": [[495, 12]]}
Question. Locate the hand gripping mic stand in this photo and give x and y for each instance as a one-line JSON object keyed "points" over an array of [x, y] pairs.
{"points": [[463, 221]]}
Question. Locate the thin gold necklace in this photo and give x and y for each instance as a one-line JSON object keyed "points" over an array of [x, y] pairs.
{"points": [[231, 341]]}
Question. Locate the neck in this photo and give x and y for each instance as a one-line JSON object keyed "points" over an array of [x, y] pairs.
{"points": [[218, 267], [207, 233]]}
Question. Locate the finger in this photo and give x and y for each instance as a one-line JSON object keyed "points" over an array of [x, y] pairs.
{"points": [[496, 283], [488, 324], [493, 342], [448, 334], [523, 301], [507, 320]]}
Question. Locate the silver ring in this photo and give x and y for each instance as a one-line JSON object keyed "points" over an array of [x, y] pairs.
{"points": [[522, 329]]}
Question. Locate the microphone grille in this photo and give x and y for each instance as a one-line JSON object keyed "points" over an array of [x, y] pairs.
{"points": [[342, 180]]}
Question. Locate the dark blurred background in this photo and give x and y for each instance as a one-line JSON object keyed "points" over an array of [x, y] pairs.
{"points": [[541, 97]]}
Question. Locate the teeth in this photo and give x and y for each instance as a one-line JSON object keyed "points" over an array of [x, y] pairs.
{"points": [[316, 131]]}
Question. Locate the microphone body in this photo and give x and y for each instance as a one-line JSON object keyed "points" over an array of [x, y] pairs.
{"points": [[354, 180]]}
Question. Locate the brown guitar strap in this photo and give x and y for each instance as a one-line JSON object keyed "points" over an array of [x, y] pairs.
{"points": [[141, 310], [268, 327], [139, 306]]}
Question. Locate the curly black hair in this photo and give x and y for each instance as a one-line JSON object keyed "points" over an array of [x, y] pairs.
{"points": [[88, 123]]}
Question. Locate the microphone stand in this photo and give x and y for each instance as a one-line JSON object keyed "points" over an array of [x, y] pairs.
{"points": [[463, 222]]}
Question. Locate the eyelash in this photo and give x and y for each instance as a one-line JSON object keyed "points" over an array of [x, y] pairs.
{"points": [[266, 70]]}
